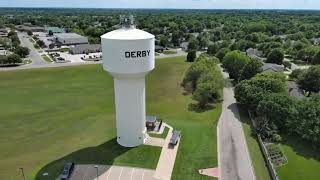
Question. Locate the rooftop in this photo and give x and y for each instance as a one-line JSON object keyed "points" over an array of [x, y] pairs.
{"points": [[68, 35], [270, 67], [151, 118]]}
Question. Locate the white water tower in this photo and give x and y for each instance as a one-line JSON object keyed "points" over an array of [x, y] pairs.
{"points": [[128, 55]]}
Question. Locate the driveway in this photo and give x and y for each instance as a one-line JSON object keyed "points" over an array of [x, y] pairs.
{"points": [[34, 54], [234, 159]]}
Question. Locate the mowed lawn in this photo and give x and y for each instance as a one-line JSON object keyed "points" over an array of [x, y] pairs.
{"points": [[260, 168], [50, 116], [303, 160]]}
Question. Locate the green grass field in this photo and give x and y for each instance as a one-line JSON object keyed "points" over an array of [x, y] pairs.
{"points": [[163, 135], [303, 161], [49, 116], [260, 168], [169, 52]]}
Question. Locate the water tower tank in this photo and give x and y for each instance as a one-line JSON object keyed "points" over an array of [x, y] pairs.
{"points": [[128, 55]]}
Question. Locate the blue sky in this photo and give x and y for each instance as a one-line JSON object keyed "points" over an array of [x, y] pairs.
{"points": [[180, 4]]}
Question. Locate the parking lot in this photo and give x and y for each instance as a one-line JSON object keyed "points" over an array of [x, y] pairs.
{"points": [[80, 57], [89, 172]]}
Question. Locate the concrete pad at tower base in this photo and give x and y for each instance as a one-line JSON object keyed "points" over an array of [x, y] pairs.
{"points": [[105, 172]]}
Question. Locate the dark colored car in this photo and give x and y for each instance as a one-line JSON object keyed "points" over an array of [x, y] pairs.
{"points": [[67, 171], [175, 137]]}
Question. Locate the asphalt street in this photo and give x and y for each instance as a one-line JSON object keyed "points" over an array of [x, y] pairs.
{"points": [[34, 54], [234, 159]]}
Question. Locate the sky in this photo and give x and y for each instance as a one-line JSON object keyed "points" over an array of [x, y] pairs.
{"points": [[173, 4]]}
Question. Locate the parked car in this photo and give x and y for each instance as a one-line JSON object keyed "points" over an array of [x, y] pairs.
{"points": [[67, 171], [175, 137]]}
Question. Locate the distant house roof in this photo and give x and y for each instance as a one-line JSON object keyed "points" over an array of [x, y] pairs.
{"points": [[195, 34], [29, 27], [294, 90], [151, 119], [55, 29], [85, 48], [254, 52], [270, 67]]}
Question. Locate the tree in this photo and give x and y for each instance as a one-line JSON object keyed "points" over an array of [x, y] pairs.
{"points": [[253, 67], [295, 74], [212, 49], [206, 93], [221, 53], [287, 64], [14, 59], [164, 41], [250, 92], [22, 51], [277, 110], [306, 123], [192, 55], [50, 33], [234, 62], [316, 58], [193, 44], [310, 79], [276, 56], [29, 33], [40, 43], [51, 46], [201, 66]]}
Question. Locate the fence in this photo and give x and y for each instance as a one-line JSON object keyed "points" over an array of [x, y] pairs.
{"points": [[263, 148]]}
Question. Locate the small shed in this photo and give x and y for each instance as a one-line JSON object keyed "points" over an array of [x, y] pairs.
{"points": [[151, 121]]}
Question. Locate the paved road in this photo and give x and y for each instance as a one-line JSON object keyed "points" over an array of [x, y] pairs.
{"points": [[34, 54], [234, 159]]}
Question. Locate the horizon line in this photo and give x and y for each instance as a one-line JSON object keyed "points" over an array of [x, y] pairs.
{"points": [[292, 9]]}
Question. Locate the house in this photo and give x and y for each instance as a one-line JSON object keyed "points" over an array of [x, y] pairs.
{"points": [[270, 67], [184, 46], [55, 30], [29, 27], [71, 39], [3, 52], [294, 90], [254, 53], [316, 41], [3, 32], [85, 48]]}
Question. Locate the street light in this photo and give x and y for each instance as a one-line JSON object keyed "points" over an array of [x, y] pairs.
{"points": [[22, 172], [46, 174], [97, 168]]}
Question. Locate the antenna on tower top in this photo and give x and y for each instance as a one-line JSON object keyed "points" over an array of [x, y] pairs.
{"points": [[127, 21]]}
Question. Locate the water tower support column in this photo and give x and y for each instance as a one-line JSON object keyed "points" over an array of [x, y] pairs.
{"points": [[130, 105]]}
